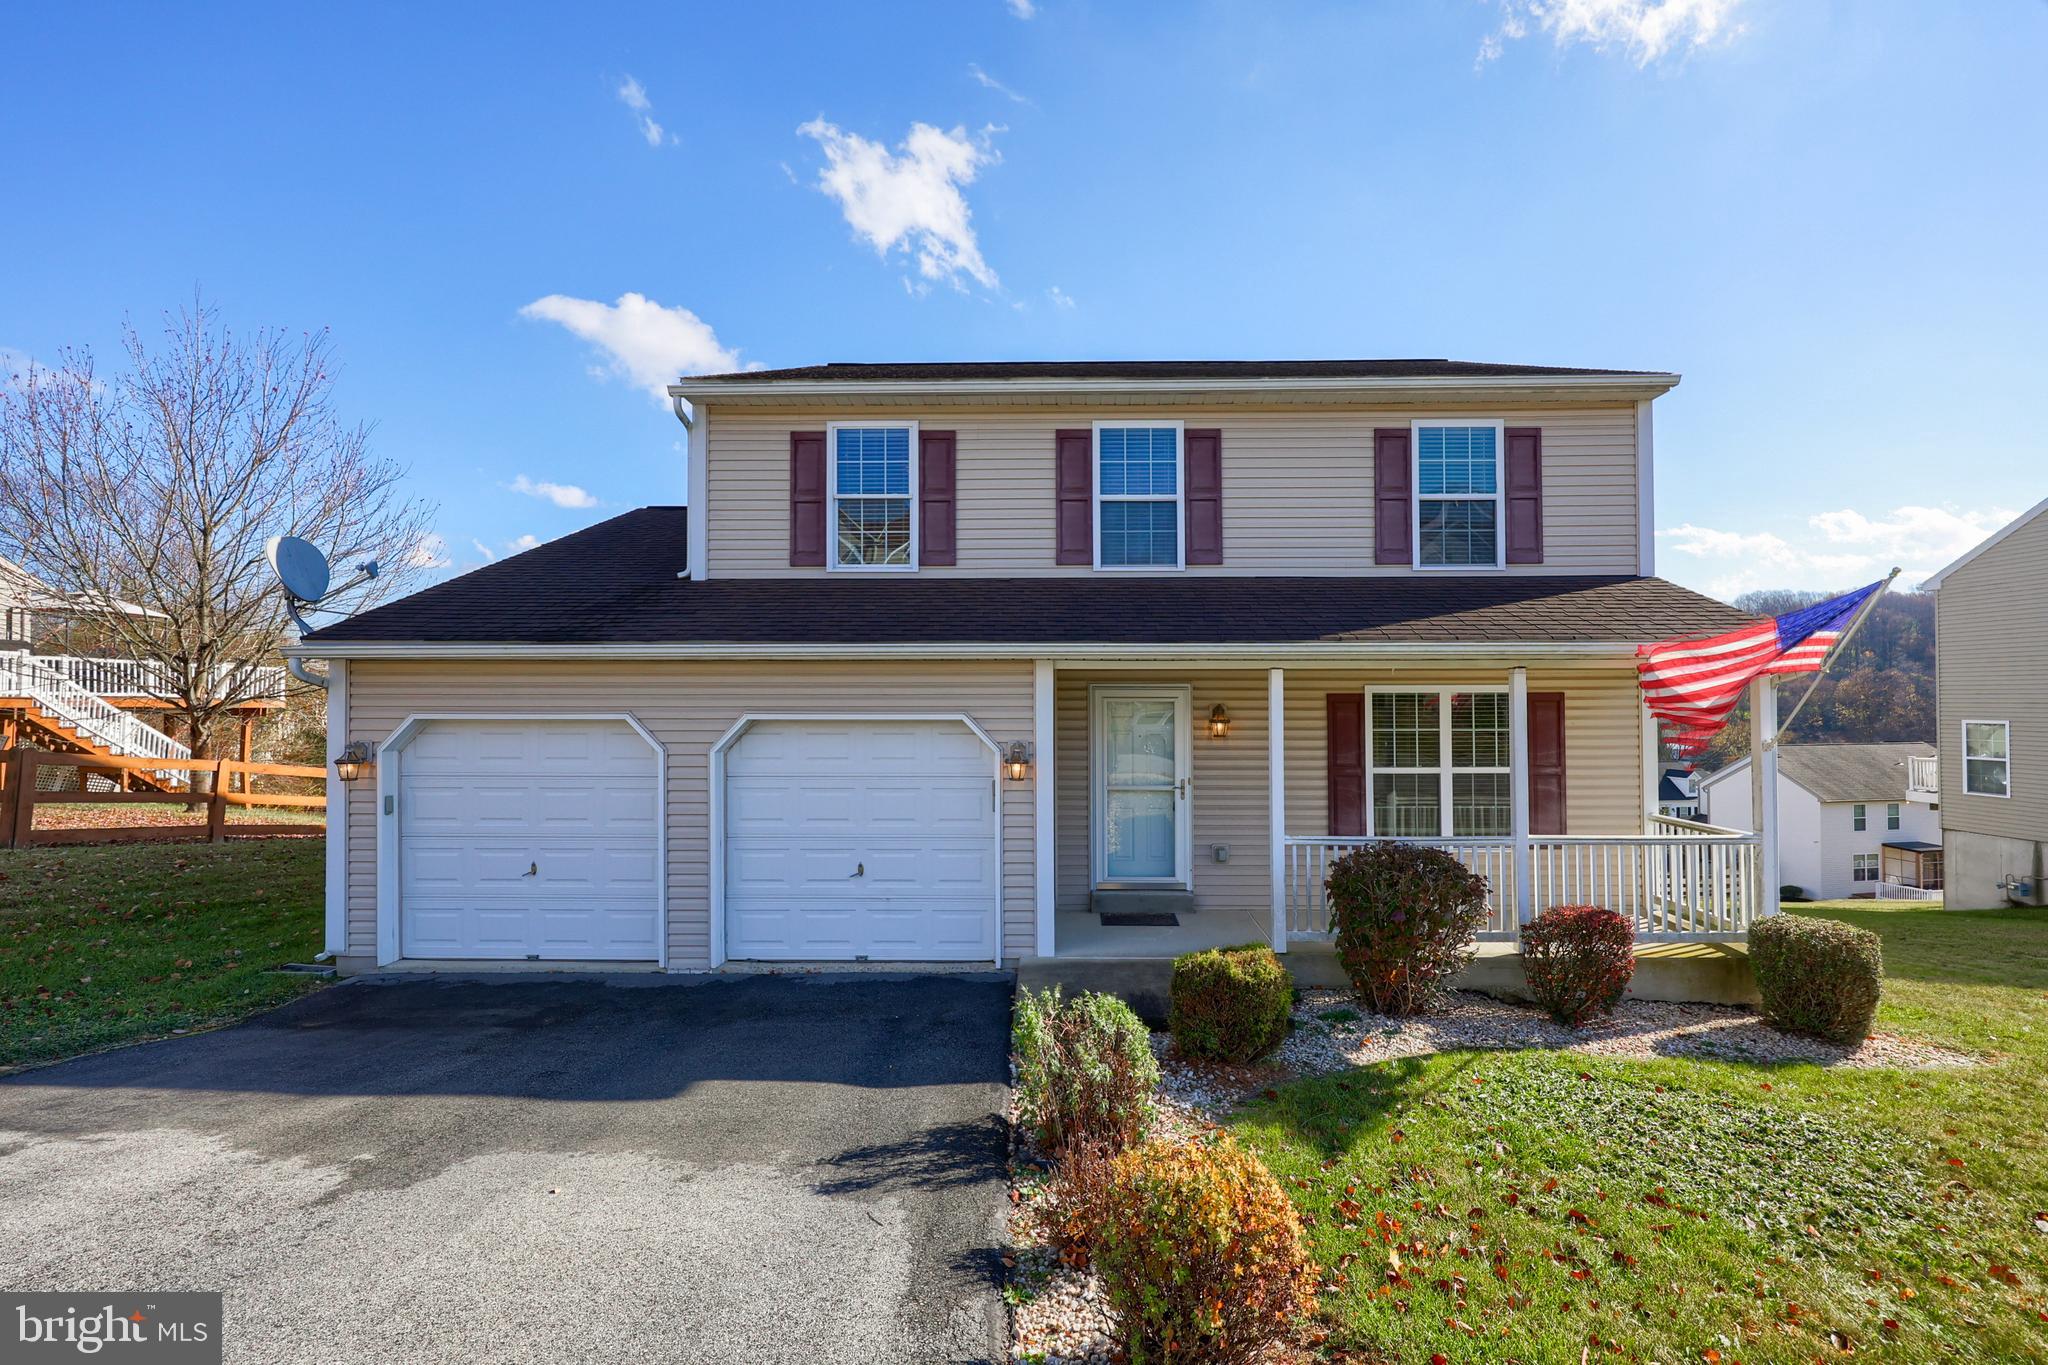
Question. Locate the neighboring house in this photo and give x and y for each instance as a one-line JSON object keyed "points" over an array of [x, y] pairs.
{"points": [[1678, 795], [1849, 823], [1991, 701], [984, 662]]}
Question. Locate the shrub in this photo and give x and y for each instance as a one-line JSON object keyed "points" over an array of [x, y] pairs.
{"points": [[1085, 1069], [1817, 975], [1230, 1004], [1406, 917], [1578, 960], [1201, 1255], [1789, 892], [1079, 1201]]}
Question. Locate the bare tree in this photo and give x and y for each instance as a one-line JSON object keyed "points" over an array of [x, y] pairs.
{"points": [[147, 497]]}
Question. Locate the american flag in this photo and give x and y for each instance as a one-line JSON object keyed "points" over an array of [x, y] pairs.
{"points": [[1692, 685]]}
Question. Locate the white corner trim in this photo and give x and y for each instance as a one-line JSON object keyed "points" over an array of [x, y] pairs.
{"points": [[1276, 800], [391, 757], [1044, 822], [337, 809], [1646, 490]]}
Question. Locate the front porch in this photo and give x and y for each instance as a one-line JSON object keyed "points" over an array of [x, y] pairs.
{"points": [[1232, 797]]}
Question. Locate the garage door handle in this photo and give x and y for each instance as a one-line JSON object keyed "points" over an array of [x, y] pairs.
{"points": [[859, 870], [532, 870]]}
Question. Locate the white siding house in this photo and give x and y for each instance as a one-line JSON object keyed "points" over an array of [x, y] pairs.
{"points": [[1839, 806]]}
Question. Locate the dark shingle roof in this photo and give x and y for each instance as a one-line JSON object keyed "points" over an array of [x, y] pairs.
{"points": [[918, 372], [1851, 772], [618, 583]]}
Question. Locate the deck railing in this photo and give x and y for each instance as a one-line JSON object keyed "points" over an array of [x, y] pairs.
{"points": [[1923, 777], [1682, 882], [142, 678], [85, 712]]}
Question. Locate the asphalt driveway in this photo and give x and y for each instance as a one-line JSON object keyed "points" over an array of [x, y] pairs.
{"points": [[800, 1169]]}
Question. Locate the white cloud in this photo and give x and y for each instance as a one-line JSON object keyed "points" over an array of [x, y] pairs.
{"points": [[1061, 299], [1023, 9], [633, 95], [989, 82], [428, 552], [523, 543], [909, 198], [1647, 30], [643, 342], [1846, 549], [486, 551], [560, 494]]}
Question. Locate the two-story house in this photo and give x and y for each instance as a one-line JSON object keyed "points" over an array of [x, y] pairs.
{"points": [[990, 662], [1991, 707]]}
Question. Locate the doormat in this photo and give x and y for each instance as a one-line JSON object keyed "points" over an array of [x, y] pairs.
{"points": [[1140, 919]]}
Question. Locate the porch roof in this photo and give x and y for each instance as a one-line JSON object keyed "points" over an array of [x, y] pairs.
{"points": [[620, 583]]}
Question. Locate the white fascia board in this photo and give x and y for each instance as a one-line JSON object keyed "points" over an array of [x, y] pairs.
{"points": [[1933, 581], [1614, 386], [1237, 654]]}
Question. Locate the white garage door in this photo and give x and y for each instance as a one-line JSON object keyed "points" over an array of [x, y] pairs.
{"points": [[528, 839], [860, 839]]}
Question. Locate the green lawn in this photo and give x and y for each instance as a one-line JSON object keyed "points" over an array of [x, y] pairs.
{"points": [[1540, 1206], [105, 945]]}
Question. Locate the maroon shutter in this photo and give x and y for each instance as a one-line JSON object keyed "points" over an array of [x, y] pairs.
{"points": [[1393, 495], [1546, 764], [936, 518], [807, 498], [1345, 712], [1525, 495], [1074, 480], [1203, 452]]}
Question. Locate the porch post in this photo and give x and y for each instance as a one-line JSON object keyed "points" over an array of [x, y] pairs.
{"points": [[1763, 787], [1044, 830], [1276, 816], [1518, 782]]}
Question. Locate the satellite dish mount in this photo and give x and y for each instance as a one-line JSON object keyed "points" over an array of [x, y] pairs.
{"points": [[306, 577]]}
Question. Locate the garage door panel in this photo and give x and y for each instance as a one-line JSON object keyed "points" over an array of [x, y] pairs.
{"points": [[529, 839]]}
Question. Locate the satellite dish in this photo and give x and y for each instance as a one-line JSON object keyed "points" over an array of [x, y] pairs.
{"points": [[300, 566]]}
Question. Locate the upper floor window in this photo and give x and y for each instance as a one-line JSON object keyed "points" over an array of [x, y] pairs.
{"points": [[1891, 815], [873, 478], [1138, 486], [1458, 495], [1859, 816], [1986, 761]]}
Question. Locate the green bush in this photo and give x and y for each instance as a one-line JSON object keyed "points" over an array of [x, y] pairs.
{"points": [[1085, 1070], [1578, 960], [1229, 1004], [1817, 975], [1406, 918], [1789, 892], [1201, 1255]]}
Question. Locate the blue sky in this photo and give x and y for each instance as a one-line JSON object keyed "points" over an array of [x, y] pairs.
{"points": [[1829, 217]]}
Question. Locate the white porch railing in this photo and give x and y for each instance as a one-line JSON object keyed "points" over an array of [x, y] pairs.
{"points": [[1308, 869], [1683, 882], [85, 712], [1923, 778], [139, 678]]}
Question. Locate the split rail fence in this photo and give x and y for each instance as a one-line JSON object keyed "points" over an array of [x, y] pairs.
{"points": [[33, 779]]}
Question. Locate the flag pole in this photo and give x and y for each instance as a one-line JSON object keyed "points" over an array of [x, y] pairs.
{"points": [[1855, 624]]}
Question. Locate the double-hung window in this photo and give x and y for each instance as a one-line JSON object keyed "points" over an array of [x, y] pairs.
{"points": [[1458, 495], [1859, 817], [1440, 764], [1891, 815], [1987, 759], [1863, 867], [1138, 485], [873, 478]]}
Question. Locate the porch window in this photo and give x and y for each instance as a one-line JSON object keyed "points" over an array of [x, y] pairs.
{"points": [[1986, 758], [1440, 765], [873, 486], [1457, 495], [1138, 497]]}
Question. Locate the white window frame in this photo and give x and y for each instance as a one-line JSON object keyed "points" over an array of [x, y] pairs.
{"points": [[1446, 772], [2006, 726], [832, 429], [1859, 817], [1857, 866], [1178, 499], [1499, 499], [1894, 816]]}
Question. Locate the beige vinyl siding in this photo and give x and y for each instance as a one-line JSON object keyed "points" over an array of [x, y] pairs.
{"points": [[1991, 637], [688, 707], [1297, 487]]}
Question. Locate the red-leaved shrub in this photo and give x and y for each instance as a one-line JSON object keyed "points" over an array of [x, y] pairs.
{"points": [[1406, 918], [1578, 960]]}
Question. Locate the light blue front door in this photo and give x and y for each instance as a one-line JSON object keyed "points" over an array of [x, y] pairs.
{"points": [[1142, 787]]}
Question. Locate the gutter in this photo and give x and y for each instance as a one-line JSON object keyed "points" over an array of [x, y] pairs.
{"points": [[1652, 383], [1262, 654]]}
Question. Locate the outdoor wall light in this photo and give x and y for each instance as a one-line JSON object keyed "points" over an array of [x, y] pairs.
{"points": [[1017, 761], [1219, 721], [349, 765]]}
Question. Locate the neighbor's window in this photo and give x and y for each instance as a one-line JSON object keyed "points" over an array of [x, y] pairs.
{"points": [[1863, 867], [872, 502], [1440, 765], [1985, 758], [1859, 818], [1137, 491], [1457, 496], [1891, 815]]}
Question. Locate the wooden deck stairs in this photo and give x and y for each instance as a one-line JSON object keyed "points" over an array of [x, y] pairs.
{"points": [[58, 714]]}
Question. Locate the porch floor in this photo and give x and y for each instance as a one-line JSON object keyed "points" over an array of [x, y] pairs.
{"points": [[1080, 933]]}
